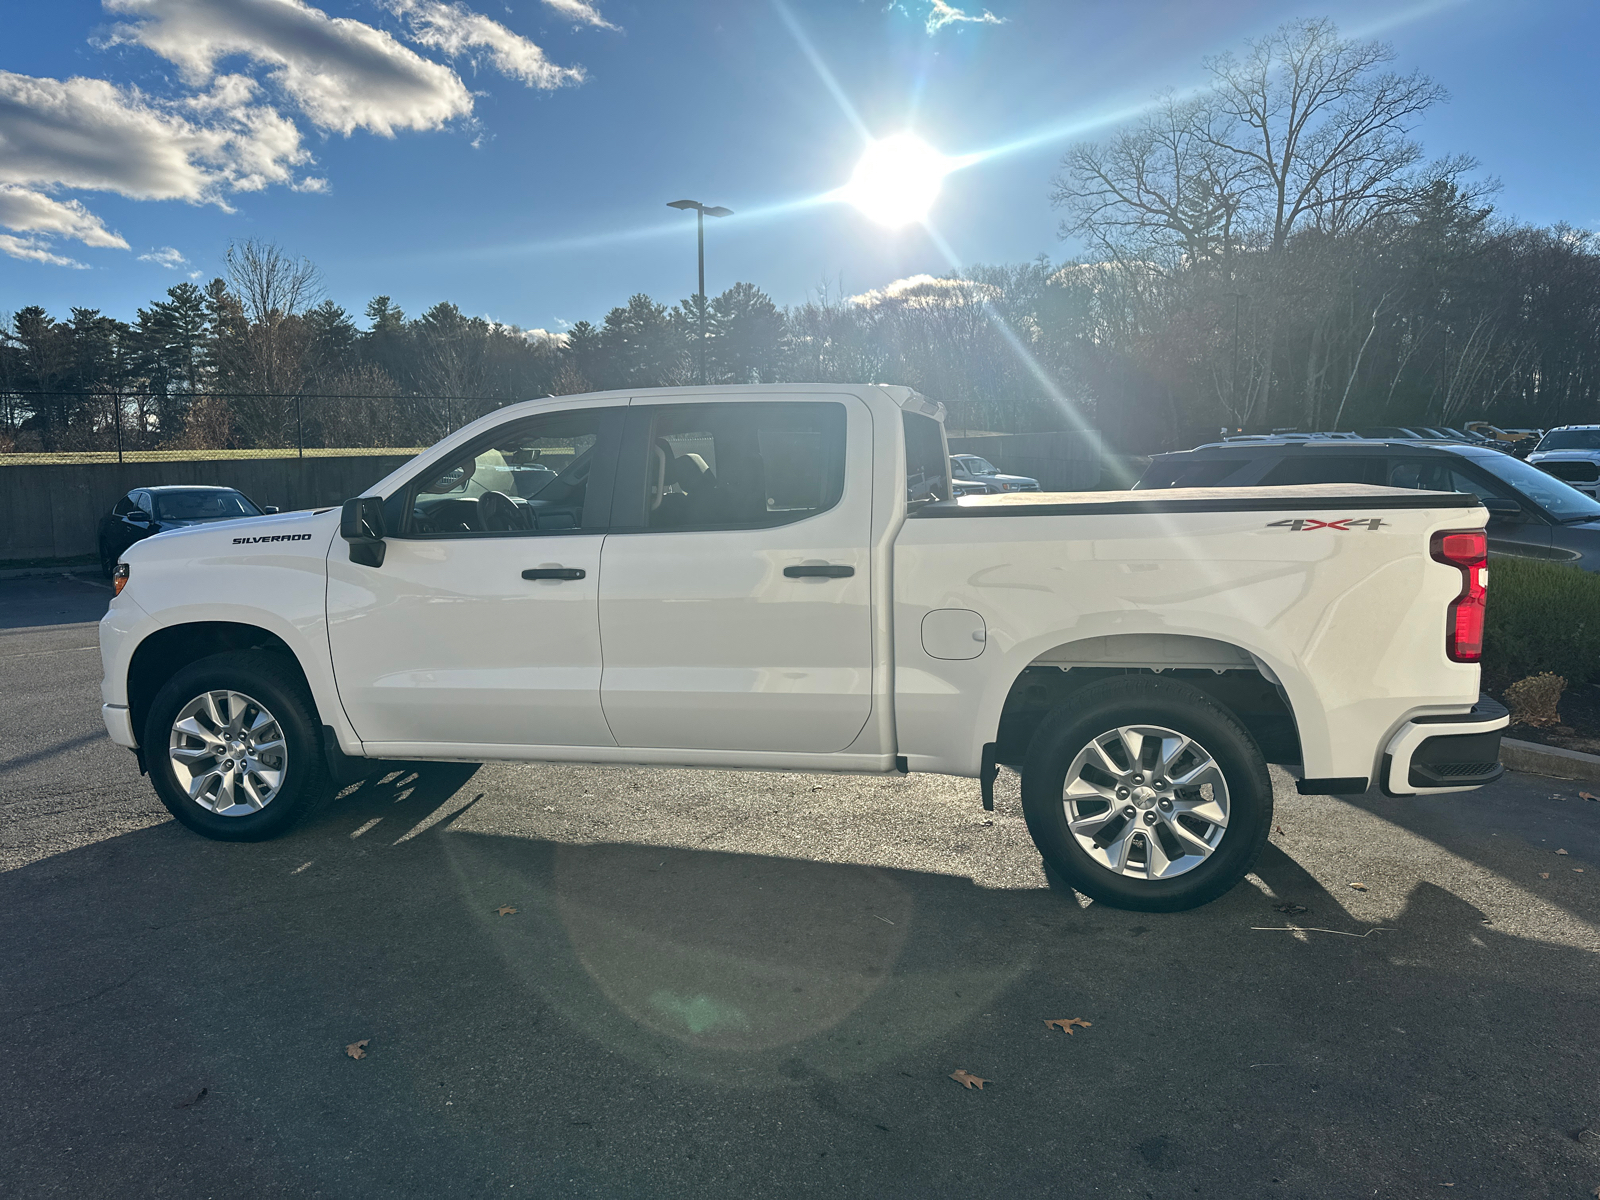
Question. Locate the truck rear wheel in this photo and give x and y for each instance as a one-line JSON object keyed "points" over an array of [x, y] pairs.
{"points": [[232, 746], [1145, 794]]}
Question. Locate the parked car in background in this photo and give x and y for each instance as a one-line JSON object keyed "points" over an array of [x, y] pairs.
{"points": [[1571, 453], [1514, 441], [145, 512], [1418, 433], [980, 474], [1531, 513]]}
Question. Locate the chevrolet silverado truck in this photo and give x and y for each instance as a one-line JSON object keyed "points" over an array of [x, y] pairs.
{"points": [[778, 577]]}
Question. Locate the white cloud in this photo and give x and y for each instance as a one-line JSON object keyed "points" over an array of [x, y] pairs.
{"points": [[456, 29], [580, 11], [35, 250], [217, 135], [25, 211], [342, 73], [941, 14], [545, 339], [927, 291], [87, 133], [166, 257]]}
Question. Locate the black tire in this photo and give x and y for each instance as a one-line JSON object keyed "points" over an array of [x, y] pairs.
{"points": [[1168, 704], [277, 686], [108, 562]]}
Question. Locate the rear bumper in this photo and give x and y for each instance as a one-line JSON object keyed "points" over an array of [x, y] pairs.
{"points": [[1456, 752]]}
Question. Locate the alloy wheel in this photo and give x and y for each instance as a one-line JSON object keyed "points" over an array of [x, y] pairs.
{"points": [[1146, 802], [228, 752]]}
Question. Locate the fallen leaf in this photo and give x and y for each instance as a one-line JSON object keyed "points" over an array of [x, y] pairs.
{"points": [[1560, 851], [1579, 870], [505, 910], [191, 1103], [1587, 796], [1360, 887], [1293, 910], [968, 1080], [1065, 1024], [1544, 874], [357, 1049], [1278, 829]]}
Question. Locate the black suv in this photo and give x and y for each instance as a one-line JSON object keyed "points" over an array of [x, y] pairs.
{"points": [[1531, 514]]}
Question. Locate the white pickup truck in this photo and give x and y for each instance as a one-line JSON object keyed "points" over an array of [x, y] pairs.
{"points": [[777, 577]]}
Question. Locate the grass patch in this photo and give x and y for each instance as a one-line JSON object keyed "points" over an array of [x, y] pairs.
{"points": [[89, 457]]}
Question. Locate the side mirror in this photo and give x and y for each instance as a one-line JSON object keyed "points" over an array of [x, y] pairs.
{"points": [[1500, 506], [361, 524], [269, 509]]}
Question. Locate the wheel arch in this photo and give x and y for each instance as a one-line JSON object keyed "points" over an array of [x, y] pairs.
{"points": [[168, 650], [1235, 677]]}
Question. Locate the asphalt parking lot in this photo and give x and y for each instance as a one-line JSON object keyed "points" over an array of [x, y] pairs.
{"points": [[735, 984]]}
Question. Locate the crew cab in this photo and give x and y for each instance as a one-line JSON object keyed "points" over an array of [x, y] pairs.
{"points": [[777, 577]]}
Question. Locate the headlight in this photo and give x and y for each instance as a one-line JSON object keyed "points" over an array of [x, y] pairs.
{"points": [[1006, 487], [119, 578]]}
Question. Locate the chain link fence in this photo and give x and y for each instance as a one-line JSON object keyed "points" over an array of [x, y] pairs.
{"points": [[134, 426]]}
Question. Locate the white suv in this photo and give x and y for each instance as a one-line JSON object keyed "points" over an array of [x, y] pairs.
{"points": [[1571, 453]]}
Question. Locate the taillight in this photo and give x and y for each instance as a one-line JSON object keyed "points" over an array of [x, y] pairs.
{"points": [[1468, 551], [119, 579]]}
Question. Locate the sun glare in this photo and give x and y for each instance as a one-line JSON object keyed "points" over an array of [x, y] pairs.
{"points": [[897, 180]]}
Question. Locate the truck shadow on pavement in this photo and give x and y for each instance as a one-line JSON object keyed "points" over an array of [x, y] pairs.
{"points": [[609, 1018]]}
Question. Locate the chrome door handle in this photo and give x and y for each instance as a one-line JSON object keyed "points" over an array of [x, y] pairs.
{"points": [[826, 571], [554, 573]]}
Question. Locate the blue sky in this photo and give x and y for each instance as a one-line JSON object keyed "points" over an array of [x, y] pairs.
{"points": [[516, 156]]}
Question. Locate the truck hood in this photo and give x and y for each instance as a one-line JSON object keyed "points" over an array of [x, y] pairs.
{"points": [[281, 532]]}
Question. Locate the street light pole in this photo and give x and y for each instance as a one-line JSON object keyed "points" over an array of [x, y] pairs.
{"points": [[1233, 388], [701, 212]]}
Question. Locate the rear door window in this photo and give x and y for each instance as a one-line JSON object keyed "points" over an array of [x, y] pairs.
{"points": [[1326, 468], [737, 466], [1204, 472]]}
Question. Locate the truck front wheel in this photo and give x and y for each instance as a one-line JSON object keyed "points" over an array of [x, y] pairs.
{"points": [[232, 746], [1145, 794]]}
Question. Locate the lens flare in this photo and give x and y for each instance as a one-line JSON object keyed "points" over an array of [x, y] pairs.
{"points": [[897, 180]]}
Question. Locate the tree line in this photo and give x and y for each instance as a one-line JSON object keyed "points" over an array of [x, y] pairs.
{"points": [[1273, 251]]}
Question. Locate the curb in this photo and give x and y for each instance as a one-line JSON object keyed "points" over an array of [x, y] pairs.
{"points": [[1534, 759]]}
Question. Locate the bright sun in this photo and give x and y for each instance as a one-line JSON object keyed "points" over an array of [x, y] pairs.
{"points": [[897, 180]]}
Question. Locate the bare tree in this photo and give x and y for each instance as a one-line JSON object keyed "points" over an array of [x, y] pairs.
{"points": [[272, 290], [1322, 126], [1159, 191]]}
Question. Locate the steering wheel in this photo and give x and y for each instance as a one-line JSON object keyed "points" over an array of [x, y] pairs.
{"points": [[498, 513]]}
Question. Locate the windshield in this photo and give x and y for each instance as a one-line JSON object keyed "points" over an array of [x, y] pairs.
{"points": [[978, 466], [1560, 500], [1571, 439], [202, 506]]}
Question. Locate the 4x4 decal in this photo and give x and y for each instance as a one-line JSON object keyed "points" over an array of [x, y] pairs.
{"points": [[1343, 525]]}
